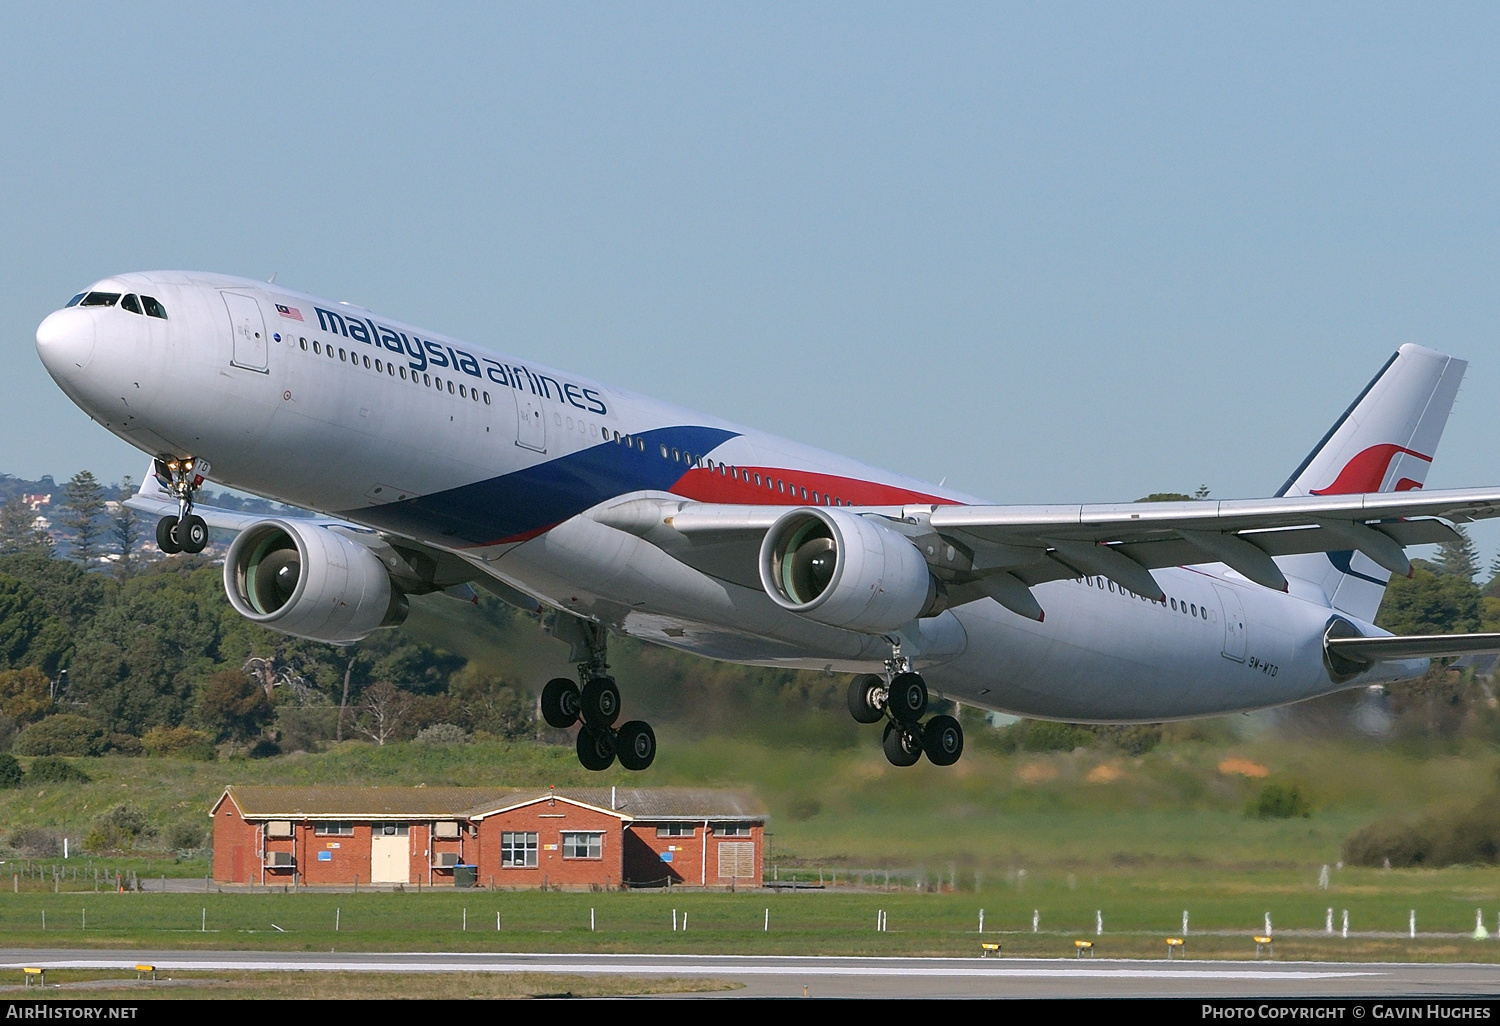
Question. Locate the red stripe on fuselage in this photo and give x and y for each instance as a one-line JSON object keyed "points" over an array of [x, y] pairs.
{"points": [[741, 490]]}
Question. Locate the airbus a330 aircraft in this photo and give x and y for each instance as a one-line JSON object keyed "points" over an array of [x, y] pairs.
{"points": [[436, 463]]}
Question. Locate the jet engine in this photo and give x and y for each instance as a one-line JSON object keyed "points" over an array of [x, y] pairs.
{"points": [[845, 570], [306, 580]]}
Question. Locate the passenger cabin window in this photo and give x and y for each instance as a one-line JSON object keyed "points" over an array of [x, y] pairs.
{"points": [[131, 303], [100, 299], [153, 308]]}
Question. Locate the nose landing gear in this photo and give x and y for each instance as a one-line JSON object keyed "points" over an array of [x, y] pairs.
{"points": [[596, 706], [900, 698], [186, 532]]}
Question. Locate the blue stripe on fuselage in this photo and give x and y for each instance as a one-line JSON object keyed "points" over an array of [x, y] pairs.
{"points": [[516, 506]]}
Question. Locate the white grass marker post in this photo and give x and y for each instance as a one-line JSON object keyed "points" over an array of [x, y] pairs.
{"points": [[1480, 933], [466, 921], [1099, 923], [591, 919], [1323, 878], [1346, 924], [44, 920], [684, 921], [981, 920], [1036, 920], [338, 911], [85, 919], [497, 922], [1328, 923], [674, 920], [767, 928], [1184, 922], [1411, 925], [203, 923], [1268, 924]]}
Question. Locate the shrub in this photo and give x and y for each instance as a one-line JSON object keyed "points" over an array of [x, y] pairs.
{"points": [[179, 743], [10, 771], [36, 842], [1279, 801], [264, 749], [125, 744], [122, 828], [444, 734], [51, 769], [1050, 736], [303, 728], [185, 834], [63, 734], [1449, 837]]}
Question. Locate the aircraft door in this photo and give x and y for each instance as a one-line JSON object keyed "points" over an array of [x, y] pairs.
{"points": [[531, 426], [1234, 623], [249, 329]]}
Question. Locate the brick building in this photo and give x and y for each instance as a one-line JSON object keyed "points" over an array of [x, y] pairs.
{"points": [[500, 837]]}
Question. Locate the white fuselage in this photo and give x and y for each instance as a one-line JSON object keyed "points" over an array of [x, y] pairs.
{"points": [[332, 408]]}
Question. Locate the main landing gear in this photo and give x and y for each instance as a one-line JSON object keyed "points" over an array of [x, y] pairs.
{"points": [[597, 705], [900, 698], [186, 532]]}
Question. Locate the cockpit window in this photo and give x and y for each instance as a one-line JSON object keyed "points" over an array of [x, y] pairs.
{"points": [[75, 299], [130, 303], [153, 308], [100, 299]]}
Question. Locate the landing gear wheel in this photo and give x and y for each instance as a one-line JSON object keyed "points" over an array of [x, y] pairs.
{"points": [[636, 744], [902, 744], [943, 740], [561, 703], [166, 536], [596, 747], [908, 697], [192, 533], [601, 702], [863, 692]]}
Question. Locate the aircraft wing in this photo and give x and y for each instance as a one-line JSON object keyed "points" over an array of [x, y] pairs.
{"points": [[1003, 551], [1413, 646], [154, 500]]}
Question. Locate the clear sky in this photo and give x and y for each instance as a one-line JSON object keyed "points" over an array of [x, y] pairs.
{"points": [[1051, 252]]}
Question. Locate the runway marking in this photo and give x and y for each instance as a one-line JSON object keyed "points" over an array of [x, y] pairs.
{"points": [[712, 969]]}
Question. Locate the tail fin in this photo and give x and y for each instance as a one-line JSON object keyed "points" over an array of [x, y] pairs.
{"points": [[1384, 442]]}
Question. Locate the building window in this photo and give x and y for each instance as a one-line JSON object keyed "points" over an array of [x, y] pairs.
{"points": [[518, 850], [582, 845], [731, 829], [334, 830], [674, 830]]}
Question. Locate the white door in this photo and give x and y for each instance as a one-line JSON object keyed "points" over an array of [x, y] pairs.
{"points": [[249, 331], [390, 856], [531, 426], [1234, 624]]}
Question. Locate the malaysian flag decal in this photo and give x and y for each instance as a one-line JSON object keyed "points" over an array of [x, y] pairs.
{"points": [[291, 313]]}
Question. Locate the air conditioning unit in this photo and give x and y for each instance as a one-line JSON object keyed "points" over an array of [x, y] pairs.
{"points": [[446, 828], [277, 859], [447, 859]]}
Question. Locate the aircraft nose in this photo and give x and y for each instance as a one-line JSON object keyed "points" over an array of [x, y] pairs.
{"points": [[65, 341]]}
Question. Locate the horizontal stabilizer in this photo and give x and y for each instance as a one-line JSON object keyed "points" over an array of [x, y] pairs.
{"points": [[1413, 646]]}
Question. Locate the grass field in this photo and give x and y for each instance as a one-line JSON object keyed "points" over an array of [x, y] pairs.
{"points": [[1140, 909]]}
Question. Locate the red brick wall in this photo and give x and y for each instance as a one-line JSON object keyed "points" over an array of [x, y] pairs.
{"points": [[644, 863], [235, 857], [549, 820]]}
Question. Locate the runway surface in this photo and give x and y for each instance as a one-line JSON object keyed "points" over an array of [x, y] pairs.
{"points": [[859, 977]]}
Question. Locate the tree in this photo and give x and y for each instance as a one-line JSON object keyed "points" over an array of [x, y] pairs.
{"points": [[18, 530], [83, 508], [1459, 557], [234, 705], [125, 528], [492, 705], [25, 694], [384, 710], [1430, 603]]}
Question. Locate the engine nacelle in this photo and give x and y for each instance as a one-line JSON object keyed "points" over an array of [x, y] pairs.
{"points": [[306, 580], [845, 570]]}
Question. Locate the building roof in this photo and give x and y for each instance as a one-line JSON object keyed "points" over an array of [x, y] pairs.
{"points": [[376, 803]]}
